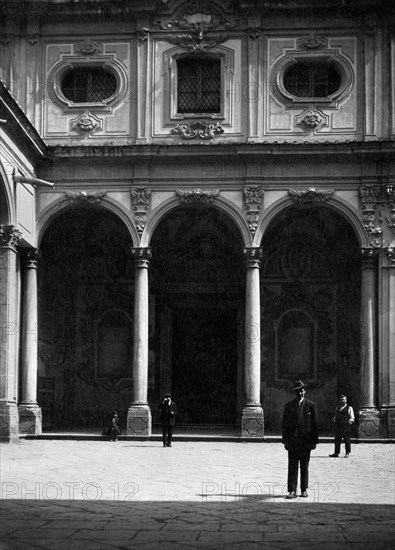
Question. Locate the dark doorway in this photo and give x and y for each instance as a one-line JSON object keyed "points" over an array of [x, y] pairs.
{"points": [[197, 282], [204, 368]]}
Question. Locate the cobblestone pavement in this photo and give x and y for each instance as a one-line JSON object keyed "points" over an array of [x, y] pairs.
{"points": [[214, 495]]}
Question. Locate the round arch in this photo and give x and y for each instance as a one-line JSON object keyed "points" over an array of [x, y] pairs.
{"points": [[86, 270], [221, 204], [60, 205], [336, 204], [311, 264]]}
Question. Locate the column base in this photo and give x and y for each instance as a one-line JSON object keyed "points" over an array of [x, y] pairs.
{"points": [[368, 424], [387, 422], [30, 419], [9, 422], [252, 422], [139, 421]]}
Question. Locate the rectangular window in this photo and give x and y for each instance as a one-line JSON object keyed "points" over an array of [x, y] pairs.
{"points": [[199, 85]]}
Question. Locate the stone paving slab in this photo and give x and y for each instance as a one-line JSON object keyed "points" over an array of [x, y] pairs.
{"points": [[89, 495]]}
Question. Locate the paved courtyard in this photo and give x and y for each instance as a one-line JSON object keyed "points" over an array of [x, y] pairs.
{"points": [[138, 495]]}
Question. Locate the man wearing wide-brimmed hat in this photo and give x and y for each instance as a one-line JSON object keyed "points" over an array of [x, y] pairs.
{"points": [[300, 436]]}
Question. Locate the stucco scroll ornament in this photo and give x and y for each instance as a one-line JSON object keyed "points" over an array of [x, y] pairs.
{"points": [[85, 124], [371, 213], [198, 196], [141, 201], [197, 42], [143, 34], [253, 199], [87, 48], [81, 197], [196, 13], [311, 196], [311, 119], [390, 193], [312, 42], [198, 130]]}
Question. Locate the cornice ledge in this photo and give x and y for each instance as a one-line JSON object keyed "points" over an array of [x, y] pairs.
{"points": [[240, 149]]}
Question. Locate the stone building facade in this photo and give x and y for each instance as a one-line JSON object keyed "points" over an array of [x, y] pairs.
{"points": [[196, 198]]}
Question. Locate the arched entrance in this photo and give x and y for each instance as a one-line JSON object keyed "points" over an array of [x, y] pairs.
{"points": [[86, 295], [197, 284], [310, 310]]}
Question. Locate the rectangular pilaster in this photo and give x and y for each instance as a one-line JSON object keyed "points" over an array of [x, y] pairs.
{"points": [[9, 335], [386, 342]]}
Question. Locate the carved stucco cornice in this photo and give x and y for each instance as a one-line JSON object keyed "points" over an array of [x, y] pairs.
{"points": [[99, 8], [381, 150]]}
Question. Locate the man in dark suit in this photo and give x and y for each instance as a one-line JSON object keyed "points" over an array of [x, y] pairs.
{"points": [[300, 436], [167, 412]]}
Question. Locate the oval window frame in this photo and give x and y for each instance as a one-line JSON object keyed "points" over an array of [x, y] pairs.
{"points": [[108, 64], [331, 101]]}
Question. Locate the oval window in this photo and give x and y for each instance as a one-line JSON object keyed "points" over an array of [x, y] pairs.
{"points": [[312, 79], [88, 85]]}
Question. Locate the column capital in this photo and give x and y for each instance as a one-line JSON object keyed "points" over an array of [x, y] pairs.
{"points": [[141, 256], [9, 237], [391, 256], [31, 258], [253, 256], [369, 258]]}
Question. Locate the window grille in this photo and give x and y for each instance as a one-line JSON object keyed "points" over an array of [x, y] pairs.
{"points": [[88, 85], [312, 79], [199, 85]]}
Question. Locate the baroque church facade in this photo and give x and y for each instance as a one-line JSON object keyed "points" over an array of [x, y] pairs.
{"points": [[196, 198]]}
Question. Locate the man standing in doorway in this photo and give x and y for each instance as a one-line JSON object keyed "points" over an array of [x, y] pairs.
{"points": [[344, 419], [167, 412], [300, 436]]}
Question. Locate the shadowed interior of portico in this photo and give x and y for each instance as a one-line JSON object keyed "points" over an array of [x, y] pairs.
{"points": [[310, 306]]}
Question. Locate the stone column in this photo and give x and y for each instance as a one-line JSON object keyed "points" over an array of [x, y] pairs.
{"points": [[30, 420], [139, 420], [386, 342], [9, 333], [369, 424], [252, 422]]}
